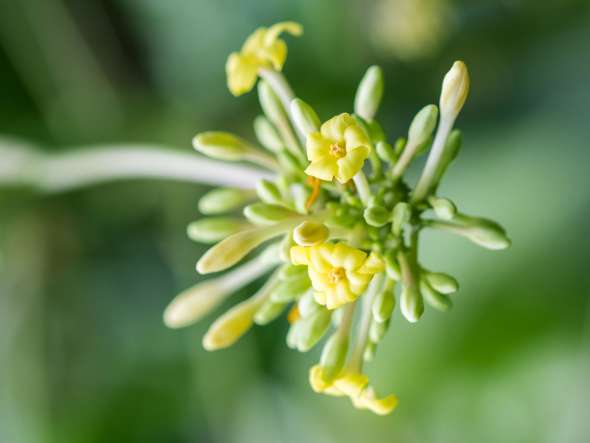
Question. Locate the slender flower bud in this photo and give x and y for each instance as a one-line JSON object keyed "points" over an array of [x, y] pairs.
{"points": [[444, 208], [222, 145], [384, 303], [307, 304], [289, 291], [265, 214], [441, 282], [232, 249], [310, 233], [334, 355], [392, 268], [370, 351], [291, 272], [304, 117], [411, 303], [270, 103], [422, 125], [222, 200], [228, 328], [386, 152], [377, 330], [211, 230], [377, 216], [312, 329], [267, 134], [300, 197], [268, 312], [369, 93], [402, 213], [437, 300], [454, 90], [481, 231], [268, 192]]}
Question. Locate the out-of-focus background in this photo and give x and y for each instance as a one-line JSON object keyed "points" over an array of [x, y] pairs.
{"points": [[85, 275]]}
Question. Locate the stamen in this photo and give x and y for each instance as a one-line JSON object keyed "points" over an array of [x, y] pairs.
{"points": [[315, 192], [337, 150], [336, 275], [293, 315]]}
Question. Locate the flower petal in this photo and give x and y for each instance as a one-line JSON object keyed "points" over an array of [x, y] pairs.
{"points": [[334, 128], [324, 168], [242, 71], [317, 146], [372, 265], [299, 255], [355, 136], [350, 164]]}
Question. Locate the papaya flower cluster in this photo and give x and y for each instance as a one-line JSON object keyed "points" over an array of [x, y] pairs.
{"points": [[334, 227]]}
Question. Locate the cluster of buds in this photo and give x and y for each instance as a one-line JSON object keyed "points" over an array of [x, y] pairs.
{"points": [[334, 226]]}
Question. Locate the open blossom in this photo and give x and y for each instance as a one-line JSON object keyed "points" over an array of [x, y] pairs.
{"points": [[339, 273], [262, 49], [338, 149], [354, 385]]}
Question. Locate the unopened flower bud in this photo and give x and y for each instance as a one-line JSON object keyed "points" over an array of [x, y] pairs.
{"points": [[422, 125], [268, 312], [267, 134], [291, 272], [222, 146], [455, 88], [300, 196], [268, 192], [386, 152], [369, 93], [444, 208], [443, 283], [334, 355], [312, 329], [310, 233], [307, 304], [370, 351], [223, 200], [377, 330], [289, 291], [376, 216], [402, 212], [305, 118], [411, 303], [265, 214], [437, 300], [392, 268], [384, 303], [270, 103], [228, 328], [194, 303], [481, 231], [211, 230]]}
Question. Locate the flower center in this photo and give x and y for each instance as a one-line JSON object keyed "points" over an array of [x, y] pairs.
{"points": [[337, 150], [336, 274]]}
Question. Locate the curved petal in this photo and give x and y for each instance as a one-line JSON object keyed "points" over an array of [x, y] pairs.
{"points": [[317, 147], [319, 281], [242, 71], [293, 28], [334, 128], [299, 255], [355, 136], [372, 265], [358, 282], [255, 41], [318, 257], [350, 164], [324, 168], [276, 54]]}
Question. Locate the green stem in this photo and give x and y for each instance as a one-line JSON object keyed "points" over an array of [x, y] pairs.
{"points": [[362, 186]]}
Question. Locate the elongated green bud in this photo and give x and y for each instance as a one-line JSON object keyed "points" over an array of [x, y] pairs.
{"points": [[370, 351], [481, 231], [268, 312], [443, 283], [441, 302], [411, 303], [291, 272], [305, 118], [222, 146], [369, 93], [232, 249], [268, 192], [285, 248], [312, 329], [228, 328], [293, 334], [310, 233], [289, 163], [265, 214], [334, 355], [211, 230], [307, 304], [402, 212], [423, 125], [267, 135], [455, 88], [392, 268], [444, 208], [399, 146], [377, 216], [300, 197], [289, 291], [377, 330], [384, 303], [386, 152], [222, 200], [270, 103]]}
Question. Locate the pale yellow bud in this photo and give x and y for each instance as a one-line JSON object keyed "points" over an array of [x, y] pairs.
{"points": [[455, 88], [310, 233], [228, 328]]}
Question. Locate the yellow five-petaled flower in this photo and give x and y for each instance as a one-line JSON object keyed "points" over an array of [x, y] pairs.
{"points": [[355, 385], [262, 49], [338, 149], [339, 273]]}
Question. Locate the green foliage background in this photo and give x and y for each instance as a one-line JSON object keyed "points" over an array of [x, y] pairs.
{"points": [[85, 276]]}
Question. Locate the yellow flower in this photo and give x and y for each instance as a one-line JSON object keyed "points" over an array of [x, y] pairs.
{"points": [[263, 49], [338, 149], [353, 385], [339, 274]]}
